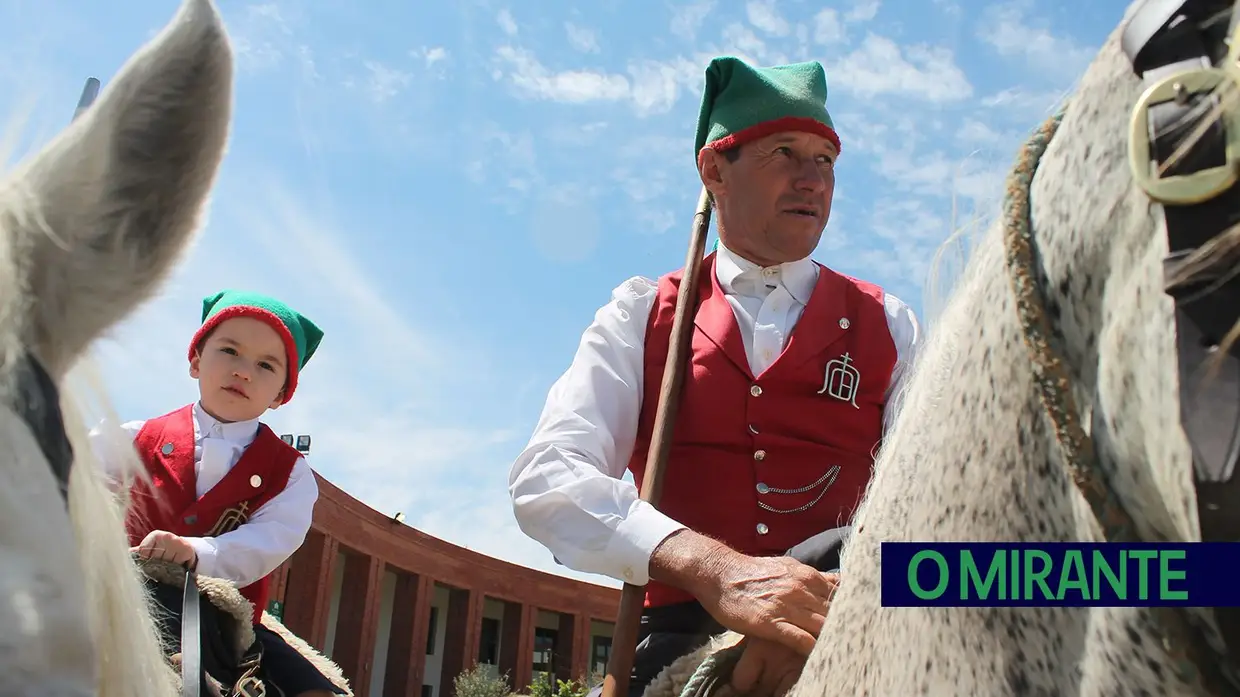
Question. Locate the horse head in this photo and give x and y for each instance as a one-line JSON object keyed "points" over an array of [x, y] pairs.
{"points": [[91, 225]]}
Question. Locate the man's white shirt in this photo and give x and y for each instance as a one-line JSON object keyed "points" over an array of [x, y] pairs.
{"points": [[567, 485]]}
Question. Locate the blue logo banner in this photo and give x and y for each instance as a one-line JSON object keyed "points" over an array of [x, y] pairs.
{"points": [[1060, 574]]}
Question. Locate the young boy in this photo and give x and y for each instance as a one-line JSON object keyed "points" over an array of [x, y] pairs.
{"points": [[226, 495]]}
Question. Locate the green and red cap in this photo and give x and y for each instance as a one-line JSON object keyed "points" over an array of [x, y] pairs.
{"points": [[300, 336], [743, 103]]}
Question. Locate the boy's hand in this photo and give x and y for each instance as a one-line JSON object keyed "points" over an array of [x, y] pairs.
{"points": [[163, 545]]}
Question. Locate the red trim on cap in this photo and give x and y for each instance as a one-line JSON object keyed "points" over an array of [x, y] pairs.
{"points": [[290, 347], [766, 128]]}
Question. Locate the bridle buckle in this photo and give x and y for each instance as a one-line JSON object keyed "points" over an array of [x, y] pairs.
{"points": [[1204, 184]]}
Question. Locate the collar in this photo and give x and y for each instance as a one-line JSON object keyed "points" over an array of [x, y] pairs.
{"points": [[736, 273], [238, 432]]}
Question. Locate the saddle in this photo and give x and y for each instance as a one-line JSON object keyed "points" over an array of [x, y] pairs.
{"points": [[213, 642]]}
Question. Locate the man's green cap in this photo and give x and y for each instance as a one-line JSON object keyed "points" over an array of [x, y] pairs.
{"points": [[743, 103]]}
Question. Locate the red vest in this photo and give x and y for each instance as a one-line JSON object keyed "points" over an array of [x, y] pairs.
{"points": [[166, 446], [742, 442]]}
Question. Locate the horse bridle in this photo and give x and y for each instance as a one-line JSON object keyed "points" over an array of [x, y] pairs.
{"points": [[1185, 155], [36, 399]]}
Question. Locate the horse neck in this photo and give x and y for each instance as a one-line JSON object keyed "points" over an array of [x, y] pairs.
{"points": [[1101, 248]]}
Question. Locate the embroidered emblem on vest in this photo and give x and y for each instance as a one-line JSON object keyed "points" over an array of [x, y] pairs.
{"points": [[842, 380], [230, 520]]}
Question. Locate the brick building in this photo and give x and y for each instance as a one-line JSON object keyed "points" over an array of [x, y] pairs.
{"points": [[403, 613]]}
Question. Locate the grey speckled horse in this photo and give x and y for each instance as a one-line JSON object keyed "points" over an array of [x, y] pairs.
{"points": [[973, 456]]}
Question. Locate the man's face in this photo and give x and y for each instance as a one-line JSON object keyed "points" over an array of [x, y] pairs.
{"points": [[774, 200], [241, 370]]}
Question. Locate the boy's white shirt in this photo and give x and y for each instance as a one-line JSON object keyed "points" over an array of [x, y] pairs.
{"points": [[272, 533]]}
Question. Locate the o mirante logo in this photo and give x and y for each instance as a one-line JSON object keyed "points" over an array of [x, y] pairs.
{"points": [[971, 574]]}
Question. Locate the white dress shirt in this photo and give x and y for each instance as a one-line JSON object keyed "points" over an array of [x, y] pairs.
{"points": [[567, 486], [272, 533]]}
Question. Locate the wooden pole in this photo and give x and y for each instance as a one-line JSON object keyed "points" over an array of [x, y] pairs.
{"points": [[628, 619]]}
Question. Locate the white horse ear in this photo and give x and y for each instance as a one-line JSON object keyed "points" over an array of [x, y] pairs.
{"points": [[98, 218]]}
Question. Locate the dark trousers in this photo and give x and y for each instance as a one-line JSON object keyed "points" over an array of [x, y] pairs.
{"points": [[672, 631], [284, 668]]}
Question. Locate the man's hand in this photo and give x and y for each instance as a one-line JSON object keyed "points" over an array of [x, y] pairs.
{"points": [[774, 598], [766, 669], [163, 545]]}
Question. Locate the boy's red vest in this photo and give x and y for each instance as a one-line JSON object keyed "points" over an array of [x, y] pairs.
{"points": [[166, 445], [743, 445]]}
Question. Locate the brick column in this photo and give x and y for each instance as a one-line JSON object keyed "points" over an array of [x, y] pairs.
{"points": [[308, 592], [464, 622], [581, 646], [358, 621], [277, 580], [565, 641], [411, 616], [516, 645]]}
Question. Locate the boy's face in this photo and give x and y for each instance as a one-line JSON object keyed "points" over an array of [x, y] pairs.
{"points": [[241, 370]]}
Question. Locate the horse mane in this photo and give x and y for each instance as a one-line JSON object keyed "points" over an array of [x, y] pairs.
{"points": [[131, 653], [965, 231]]}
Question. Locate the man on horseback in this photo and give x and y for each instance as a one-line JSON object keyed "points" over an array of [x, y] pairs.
{"points": [[226, 495], [794, 372]]}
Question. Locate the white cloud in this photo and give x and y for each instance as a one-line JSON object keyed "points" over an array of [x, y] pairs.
{"points": [[879, 66], [1035, 103], [883, 67], [973, 133], [530, 77], [384, 82], [687, 19], [743, 42], [260, 37], [581, 38], [934, 174], [862, 11], [763, 15], [432, 54], [650, 86], [828, 27], [1010, 31], [506, 22]]}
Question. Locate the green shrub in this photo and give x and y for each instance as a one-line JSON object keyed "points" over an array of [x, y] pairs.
{"points": [[571, 688], [542, 687], [478, 682]]}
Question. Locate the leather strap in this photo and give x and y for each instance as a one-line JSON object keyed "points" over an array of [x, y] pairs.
{"points": [[37, 402], [192, 674]]}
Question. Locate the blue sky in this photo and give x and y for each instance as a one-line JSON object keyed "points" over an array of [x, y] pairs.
{"points": [[451, 190]]}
